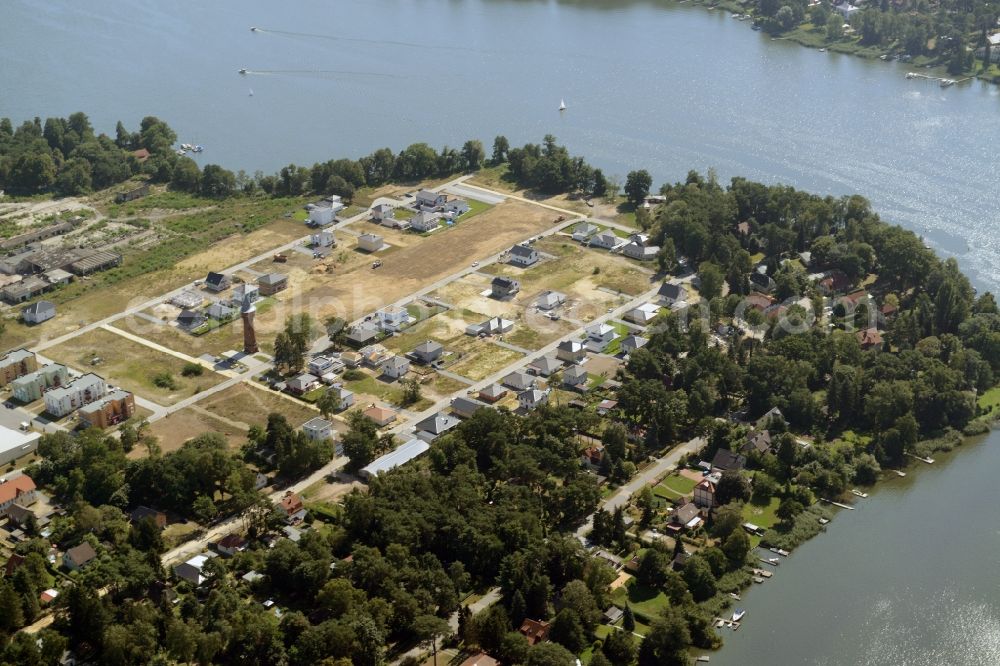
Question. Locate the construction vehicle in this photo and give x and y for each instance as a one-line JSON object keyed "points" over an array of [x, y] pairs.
{"points": [[280, 258], [376, 264]]}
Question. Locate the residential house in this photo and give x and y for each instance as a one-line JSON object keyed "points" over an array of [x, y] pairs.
{"points": [[532, 398], [318, 429], [383, 212], [221, 312], [494, 326], [758, 301], [519, 381], [640, 251], [575, 377], [834, 282], [400, 456], [704, 492], [361, 335], [424, 221], [686, 517], [600, 336], [672, 293], [396, 367], [16, 363], [393, 318], [302, 384], [292, 508], [606, 240], [141, 513], [465, 407], [726, 460], [434, 426], [612, 614], [231, 544], [116, 407], [633, 342], [870, 338], [523, 255], [375, 355], [503, 287], [32, 386], [492, 393], [583, 231], [428, 352], [38, 312], [322, 239], [546, 365], [81, 391], [772, 414], [571, 351], [370, 242], [549, 300], [79, 556], [480, 659], [20, 490], [191, 570], [48, 596], [762, 282], [455, 207], [217, 281], [380, 415], [320, 365], [536, 631], [758, 441], [605, 406], [324, 213], [643, 314], [351, 359], [428, 200], [994, 43], [272, 283], [592, 456], [244, 291], [190, 319], [345, 397], [18, 515]]}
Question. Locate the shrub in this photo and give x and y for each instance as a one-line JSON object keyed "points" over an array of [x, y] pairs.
{"points": [[192, 370], [164, 380], [353, 375]]}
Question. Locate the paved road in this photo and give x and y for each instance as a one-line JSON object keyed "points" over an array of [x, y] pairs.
{"points": [[648, 475]]}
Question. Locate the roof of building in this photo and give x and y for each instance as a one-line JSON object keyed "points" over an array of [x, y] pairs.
{"points": [[546, 364], [493, 391], [396, 363], [575, 372], [61, 392], [316, 423], [463, 404], [82, 554], [869, 337], [727, 460], [572, 346], [504, 282], [532, 395], [520, 250], [232, 541], [635, 341], [400, 456], [40, 307], [16, 486], [429, 347], [481, 659], [686, 513], [380, 414], [215, 278], [437, 423], [272, 279], [17, 355]]}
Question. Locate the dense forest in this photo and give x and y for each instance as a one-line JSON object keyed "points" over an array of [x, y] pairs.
{"points": [[497, 499]]}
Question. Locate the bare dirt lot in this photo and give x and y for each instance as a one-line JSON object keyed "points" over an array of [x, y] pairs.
{"points": [[354, 292], [131, 365]]}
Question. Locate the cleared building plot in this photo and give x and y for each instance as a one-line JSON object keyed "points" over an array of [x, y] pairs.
{"points": [[173, 430], [134, 367], [248, 405]]}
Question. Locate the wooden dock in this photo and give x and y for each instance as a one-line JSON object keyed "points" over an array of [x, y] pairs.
{"points": [[929, 461], [840, 504]]}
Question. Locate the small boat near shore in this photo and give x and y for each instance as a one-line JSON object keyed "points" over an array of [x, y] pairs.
{"points": [[858, 493], [738, 614], [763, 573], [735, 596], [757, 579], [779, 551], [773, 561]]}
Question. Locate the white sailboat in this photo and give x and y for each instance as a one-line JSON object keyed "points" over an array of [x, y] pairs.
{"points": [[562, 105], [251, 92]]}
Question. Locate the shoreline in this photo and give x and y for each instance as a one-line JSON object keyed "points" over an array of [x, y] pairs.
{"points": [[801, 36]]}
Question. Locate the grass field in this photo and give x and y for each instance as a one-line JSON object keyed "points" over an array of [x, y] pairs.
{"points": [[990, 400], [762, 516], [484, 362], [674, 486], [173, 430], [390, 392], [131, 366], [647, 603], [248, 405]]}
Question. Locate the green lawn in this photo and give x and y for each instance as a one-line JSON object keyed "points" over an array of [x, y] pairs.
{"points": [[990, 400], [644, 601], [676, 484], [390, 392], [762, 516]]}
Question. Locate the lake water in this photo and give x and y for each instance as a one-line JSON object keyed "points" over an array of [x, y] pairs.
{"points": [[908, 578]]}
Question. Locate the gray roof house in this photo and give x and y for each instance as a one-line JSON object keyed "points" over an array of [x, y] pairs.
{"points": [[762, 282], [528, 400], [456, 207], [671, 292], [571, 351], [435, 425], [605, 239], [190, 319], [549, 300], [465, 407], [575, 376], [424, 221], [370, 242], [427, 199], [221, 312], [38, 312], [727, 460], [344, 396], [519, 381], [546, 365], [383, 212], [428, 352], [492, 393], [79, 556], [303, 383], [583, 231], [363, 334], [504, 287], [635, 250], [633, 342], [396, 367], [493, 326], [523, 255]]}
